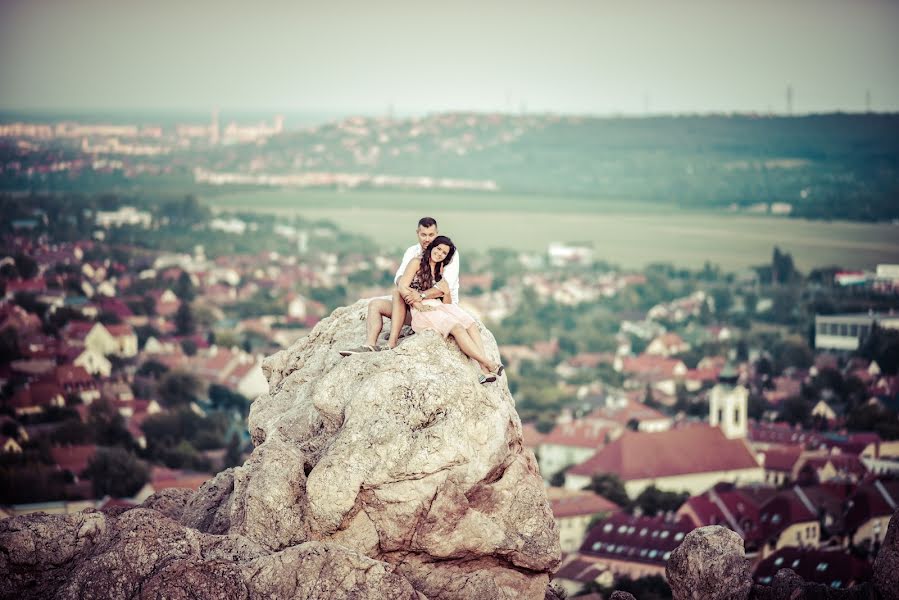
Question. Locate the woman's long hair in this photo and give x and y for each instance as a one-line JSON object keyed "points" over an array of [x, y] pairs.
{"points": [[424, 267]]}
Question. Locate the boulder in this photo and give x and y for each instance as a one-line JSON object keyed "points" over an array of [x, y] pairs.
{"points": [[709, 564], [170, 501], [383, 475]]}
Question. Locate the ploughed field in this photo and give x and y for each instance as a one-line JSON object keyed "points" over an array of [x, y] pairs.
{"points": [[624, 233]]}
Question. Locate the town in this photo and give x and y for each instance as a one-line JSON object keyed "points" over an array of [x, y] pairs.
{"points": [[132, 333]]}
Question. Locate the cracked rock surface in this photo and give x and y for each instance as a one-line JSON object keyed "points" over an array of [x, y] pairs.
{"points": [[381, 475]]}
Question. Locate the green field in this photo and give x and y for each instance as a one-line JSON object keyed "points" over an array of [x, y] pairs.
{"points": [[630, 235]]}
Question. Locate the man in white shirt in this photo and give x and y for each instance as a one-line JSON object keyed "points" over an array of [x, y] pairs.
{"points": [[379, 308]]}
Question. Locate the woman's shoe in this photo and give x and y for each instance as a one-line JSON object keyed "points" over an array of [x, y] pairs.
{"points": [[486, 378], [500, 370]]}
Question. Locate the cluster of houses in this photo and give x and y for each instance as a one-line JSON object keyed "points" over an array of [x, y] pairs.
{"points": [[798, 498]]}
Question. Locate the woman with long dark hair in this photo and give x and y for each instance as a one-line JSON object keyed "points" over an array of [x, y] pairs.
{"points": [[441, 315]]}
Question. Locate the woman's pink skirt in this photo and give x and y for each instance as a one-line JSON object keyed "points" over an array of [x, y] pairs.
{"points": [[443, 319]]}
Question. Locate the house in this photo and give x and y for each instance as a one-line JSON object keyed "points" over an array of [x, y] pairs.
{"points": [[125, 340], [94, 336], [73, 459], [76, 381], [93, 362], [869, 511], [570, 443], [577, 571], [667, 344], [621, 411], [531, 438], [690, 458], [162, 478], [513, 355], [635, 546], [779, 463], [9, 445], [837, 569], [769, 519], [814, 467], [573, 510], [32, 398]]}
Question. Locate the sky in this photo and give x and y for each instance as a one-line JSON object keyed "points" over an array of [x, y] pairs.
{"points": [[565, 56]]}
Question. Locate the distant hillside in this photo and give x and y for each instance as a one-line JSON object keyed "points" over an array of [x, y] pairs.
{"points": [[829, 166], [826, 166]]}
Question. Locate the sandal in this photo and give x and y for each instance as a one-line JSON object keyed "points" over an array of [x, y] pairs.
{"points": [[360, 350], [486, 378]]}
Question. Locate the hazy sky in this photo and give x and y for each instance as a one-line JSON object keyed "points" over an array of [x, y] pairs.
{"points": [[365, 55]]}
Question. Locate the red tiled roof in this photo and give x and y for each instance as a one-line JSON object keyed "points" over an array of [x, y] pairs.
{"points": [[72, 375], [73, 458], [120, 330], [648, 455], [576, 503], [638, 539], [531, 438], [782, 458], [579, 568], [591, 360], [649, 364], [579, 434], [626, 412], [834, 568], [877, 498], [162, 478]]}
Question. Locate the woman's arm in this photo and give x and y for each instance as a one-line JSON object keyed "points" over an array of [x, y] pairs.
{"points": [[443, 287], [411, 296]]}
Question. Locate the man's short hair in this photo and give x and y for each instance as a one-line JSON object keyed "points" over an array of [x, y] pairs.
{"points": [[427, 222]]}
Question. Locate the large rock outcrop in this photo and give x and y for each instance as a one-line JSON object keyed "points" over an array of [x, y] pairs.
{"points": [[384, 475]]}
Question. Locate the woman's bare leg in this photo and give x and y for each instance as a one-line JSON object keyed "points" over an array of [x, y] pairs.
{"points": [[397, 318], [475, 335], [468, 346]]}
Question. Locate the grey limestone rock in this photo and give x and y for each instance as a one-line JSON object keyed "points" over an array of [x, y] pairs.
{"points": [[710, 564]]}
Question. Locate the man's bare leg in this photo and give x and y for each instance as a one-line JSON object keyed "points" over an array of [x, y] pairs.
{"points": [[398, 316], [374, 320]]}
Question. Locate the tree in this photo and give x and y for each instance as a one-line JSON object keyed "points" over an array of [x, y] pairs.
{"points": [[116, 472], [152, 368], [796, 410], [184, 320], [108, 425], [9, 345], [610, 487], [653, 501], [26, 266], [179, 388], [184, 288]]}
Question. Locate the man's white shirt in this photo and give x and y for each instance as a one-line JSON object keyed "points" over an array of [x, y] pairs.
{"points": [[450, 272]]}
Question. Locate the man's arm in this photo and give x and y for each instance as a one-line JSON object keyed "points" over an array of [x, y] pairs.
{"points": [[451, 275], [407, 258]]}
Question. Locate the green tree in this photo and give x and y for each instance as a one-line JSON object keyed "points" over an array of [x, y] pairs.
{"points": [[610, 487], [26, 266], [116, 472], [184, 288], [107, 425], [184, 319], [179, 388], [653, 501]]}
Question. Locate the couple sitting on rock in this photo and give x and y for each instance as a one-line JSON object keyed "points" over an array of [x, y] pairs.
{"points": [[426, 296]]}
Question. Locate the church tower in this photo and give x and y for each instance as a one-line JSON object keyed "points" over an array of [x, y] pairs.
{"points": [[728, 404]]}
